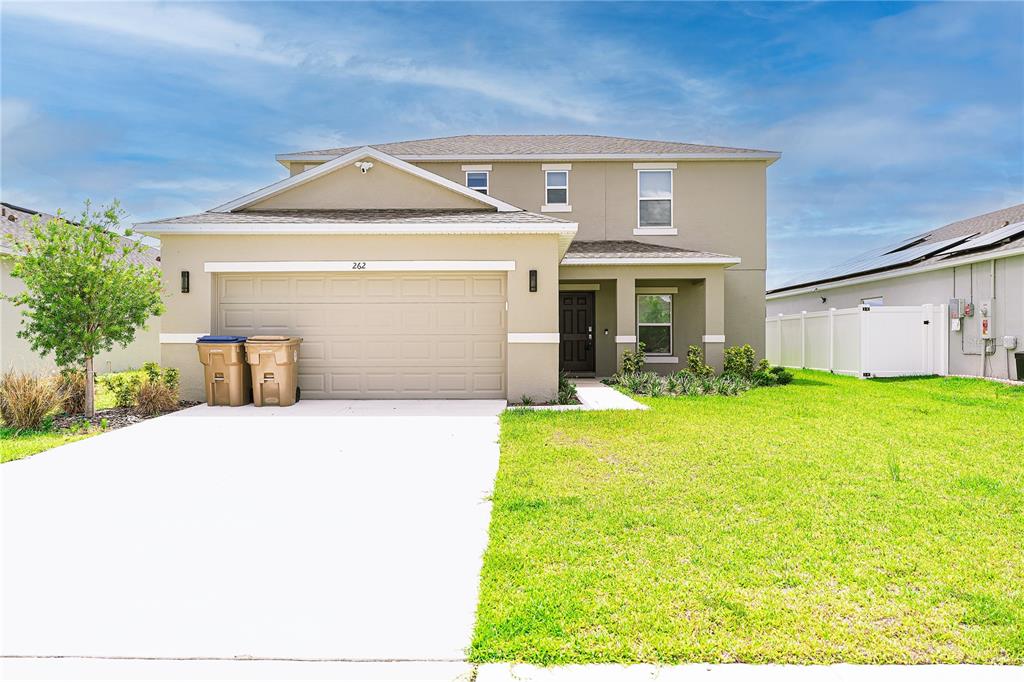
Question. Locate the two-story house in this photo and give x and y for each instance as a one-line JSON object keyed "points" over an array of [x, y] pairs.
{"points": [[477, 266]]}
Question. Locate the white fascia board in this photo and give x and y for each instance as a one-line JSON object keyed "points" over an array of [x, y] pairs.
{"points": [[770, 157], [348, 159], [363, 266], [357, 228], [892, 274], [651, 261]]}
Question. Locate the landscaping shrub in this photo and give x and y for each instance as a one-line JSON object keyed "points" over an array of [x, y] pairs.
{"points": [[26, 400], [633, 361], [695, 362], [740, 361], [72, 388], [782, 375], [158, 391], [566, 390], [155, 397], [124, 386]]}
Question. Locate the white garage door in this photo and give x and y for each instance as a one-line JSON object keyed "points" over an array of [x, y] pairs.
{"points": [[378, 335]]}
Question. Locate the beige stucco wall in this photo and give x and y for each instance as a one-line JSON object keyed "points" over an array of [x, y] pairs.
{"points": [[532, 367], [381, 187], [17, 354], [972, 282], [718, 206]]}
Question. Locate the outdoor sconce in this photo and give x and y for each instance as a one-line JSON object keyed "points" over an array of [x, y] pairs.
{"points": [[184, 281], [533, 281]]}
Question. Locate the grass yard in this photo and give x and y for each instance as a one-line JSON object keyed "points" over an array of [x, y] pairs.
{"points": [[830, 520]]}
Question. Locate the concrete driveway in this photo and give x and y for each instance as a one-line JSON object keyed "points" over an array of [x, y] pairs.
{"points": [[329, 530]]}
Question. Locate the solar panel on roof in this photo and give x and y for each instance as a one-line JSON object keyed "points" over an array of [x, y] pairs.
{"points": [[993, 237], [880, 259]]}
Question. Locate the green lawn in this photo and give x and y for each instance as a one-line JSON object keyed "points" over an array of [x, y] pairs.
{"points": [[833, 519], [18, 445]]}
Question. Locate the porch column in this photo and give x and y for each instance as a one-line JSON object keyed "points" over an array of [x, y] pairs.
{"points": [[625, 317], [714, 319]]}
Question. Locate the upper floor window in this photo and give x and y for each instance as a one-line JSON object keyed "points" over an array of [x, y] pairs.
{"points": [[654, 192], [556, 187], [478, 180]]}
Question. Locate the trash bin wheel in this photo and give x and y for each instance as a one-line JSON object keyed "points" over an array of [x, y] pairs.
{"points": [[298, 393]]}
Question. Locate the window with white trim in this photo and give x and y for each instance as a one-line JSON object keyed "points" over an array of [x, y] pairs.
{"points": [[654, 323], [654, 198], [478, 180], [556, 187]]}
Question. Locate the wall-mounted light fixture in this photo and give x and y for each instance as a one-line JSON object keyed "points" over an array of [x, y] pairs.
{"points": [[184, 281], [533, 281], [823, 299]]}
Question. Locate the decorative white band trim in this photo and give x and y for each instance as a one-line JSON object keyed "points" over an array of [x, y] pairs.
{"points": [[625, 339], [181, 338], [713, 338], [533, 337], [655, 231], [657, 165], [555, 208], [478, 167], [556, 166], [362, 266], [657, 290], [579, 287], [661, 360]]}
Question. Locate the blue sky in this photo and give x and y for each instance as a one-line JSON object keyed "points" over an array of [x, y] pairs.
{"points": [[892, 118]]}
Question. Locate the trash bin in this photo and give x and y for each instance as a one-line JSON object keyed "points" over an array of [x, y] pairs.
{"points": [[1019, 357], [227, 378], [274, 361]]}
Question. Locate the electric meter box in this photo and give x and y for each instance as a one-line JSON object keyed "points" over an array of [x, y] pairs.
{"points": [[985, 319], [956, 308]]}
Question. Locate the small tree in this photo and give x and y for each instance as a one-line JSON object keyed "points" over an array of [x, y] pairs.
{"points": [[83, 292]]}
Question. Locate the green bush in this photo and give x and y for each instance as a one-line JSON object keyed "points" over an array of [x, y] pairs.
{"points": [[740, 362], [124, 386], [633, 361], [72, 388], [158, 392], [782, 375], [695, 362], [566, 390]]}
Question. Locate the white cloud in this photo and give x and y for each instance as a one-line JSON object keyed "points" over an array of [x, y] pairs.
{"points": [[313, 137], [189, 27]]}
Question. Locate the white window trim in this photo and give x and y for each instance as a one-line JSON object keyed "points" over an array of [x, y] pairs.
{"points": [[670, 324], [548, 185], [659, 229], [477, 167], [487, 187]]}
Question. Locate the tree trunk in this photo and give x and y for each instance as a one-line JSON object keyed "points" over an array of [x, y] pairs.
{"points": [[90, 389]]}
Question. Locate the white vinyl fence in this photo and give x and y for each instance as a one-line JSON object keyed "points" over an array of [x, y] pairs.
{"points": [[884, 341]]}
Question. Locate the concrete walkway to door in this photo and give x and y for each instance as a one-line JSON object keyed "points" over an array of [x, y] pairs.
{"points": [[331, 529]]}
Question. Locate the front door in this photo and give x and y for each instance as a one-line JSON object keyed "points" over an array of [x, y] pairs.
{"points": [[576, 331]]}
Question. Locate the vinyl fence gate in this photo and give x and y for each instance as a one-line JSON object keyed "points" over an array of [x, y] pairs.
{"points": [[883, 341]]}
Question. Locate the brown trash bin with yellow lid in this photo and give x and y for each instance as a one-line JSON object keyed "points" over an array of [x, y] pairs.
{"points": [[227, 379], [274, 361]]}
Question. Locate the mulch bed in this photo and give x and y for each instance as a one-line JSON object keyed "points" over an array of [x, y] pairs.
{"points": [[117, 417]]}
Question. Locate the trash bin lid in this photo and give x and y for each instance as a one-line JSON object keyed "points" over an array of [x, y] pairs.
{"points": [[270, 339], [220, 339]]}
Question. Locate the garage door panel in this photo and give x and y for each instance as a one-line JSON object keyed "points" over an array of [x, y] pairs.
{"points": [[411, 335]]}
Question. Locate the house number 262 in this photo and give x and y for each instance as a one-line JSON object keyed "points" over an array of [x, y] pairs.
{"points": [[359, 265]]}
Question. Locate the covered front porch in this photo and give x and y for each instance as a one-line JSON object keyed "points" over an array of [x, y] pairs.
{"points": [[613, 295]]}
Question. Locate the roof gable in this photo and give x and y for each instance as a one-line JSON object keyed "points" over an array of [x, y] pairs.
{"points": [[461, 197]]}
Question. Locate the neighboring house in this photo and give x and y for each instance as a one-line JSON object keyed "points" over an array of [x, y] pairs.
{"points": [[978, 260], [15, 352], [478, 265]]}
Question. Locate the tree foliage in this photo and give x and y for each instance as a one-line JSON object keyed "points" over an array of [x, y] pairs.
{"points": [[84, 292]]}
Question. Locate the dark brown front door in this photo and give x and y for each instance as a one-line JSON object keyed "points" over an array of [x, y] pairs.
{"points": [[576, 331]]}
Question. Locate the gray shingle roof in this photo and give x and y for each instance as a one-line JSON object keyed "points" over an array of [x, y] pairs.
{"points": [[300, 216], [15, 221], [483, 145], [627, 248], [980, 225]]}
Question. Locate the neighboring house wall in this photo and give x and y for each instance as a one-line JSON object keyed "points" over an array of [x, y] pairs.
{"points": [[532, 367], [15, 353], [382, 187], [718, 206], [972, 282]]}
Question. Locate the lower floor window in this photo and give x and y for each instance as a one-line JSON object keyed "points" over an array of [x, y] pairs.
{"points": [[654, 323]]}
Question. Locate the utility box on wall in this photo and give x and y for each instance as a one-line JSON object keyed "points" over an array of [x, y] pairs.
{"points": [[985, 319]]}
